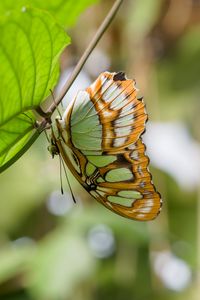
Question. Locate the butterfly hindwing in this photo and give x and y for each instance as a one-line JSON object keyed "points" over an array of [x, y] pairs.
{"points": [[99, 138], [124, 184]]}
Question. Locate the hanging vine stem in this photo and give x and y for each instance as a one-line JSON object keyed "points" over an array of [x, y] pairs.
{"points": [[103, 27]]}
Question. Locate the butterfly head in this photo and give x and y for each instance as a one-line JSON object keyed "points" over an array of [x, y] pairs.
{"points": [[53, 148]]}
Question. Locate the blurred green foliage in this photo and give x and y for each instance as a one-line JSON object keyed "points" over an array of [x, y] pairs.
{"points": [[46, 255]]}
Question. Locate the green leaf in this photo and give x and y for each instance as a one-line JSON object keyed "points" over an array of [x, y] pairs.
{"points": [[14, 136], [30, 45], [65, 11]]}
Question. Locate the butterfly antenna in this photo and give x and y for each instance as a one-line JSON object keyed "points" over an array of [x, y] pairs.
{"points": [[62, 164], [56, 104], [47, 137], [61, 182], [61, 103]]}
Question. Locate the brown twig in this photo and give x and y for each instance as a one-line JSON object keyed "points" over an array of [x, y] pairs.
{"points": [[47, 115], [86, 54]]}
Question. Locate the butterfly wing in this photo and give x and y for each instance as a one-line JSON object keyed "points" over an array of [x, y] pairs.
{"points": [[99, 138]]}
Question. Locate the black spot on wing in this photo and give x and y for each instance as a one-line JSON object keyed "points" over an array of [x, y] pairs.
{"points": [[121, 159], [140, 98], [119, 76]]}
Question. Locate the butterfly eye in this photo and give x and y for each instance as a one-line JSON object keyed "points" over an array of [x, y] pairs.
{"points": [[53, 149]]}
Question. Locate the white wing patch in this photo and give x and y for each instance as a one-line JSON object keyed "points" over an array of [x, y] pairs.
{"points": [[119, 142], [123, 131]]}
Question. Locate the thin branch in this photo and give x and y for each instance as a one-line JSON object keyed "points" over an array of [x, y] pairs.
{"points": [[86, 54], [46, 115]]}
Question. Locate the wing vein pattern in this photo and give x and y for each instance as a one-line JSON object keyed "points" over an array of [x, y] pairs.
{"points": [[100, 139]]}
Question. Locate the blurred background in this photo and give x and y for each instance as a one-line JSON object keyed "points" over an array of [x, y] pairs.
{"points": [[52, 249]]}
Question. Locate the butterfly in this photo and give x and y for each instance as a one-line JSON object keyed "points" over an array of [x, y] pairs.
{"points": [[99, 139]]}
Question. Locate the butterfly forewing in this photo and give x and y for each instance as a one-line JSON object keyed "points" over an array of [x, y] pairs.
{"points": [[99, 138]]}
